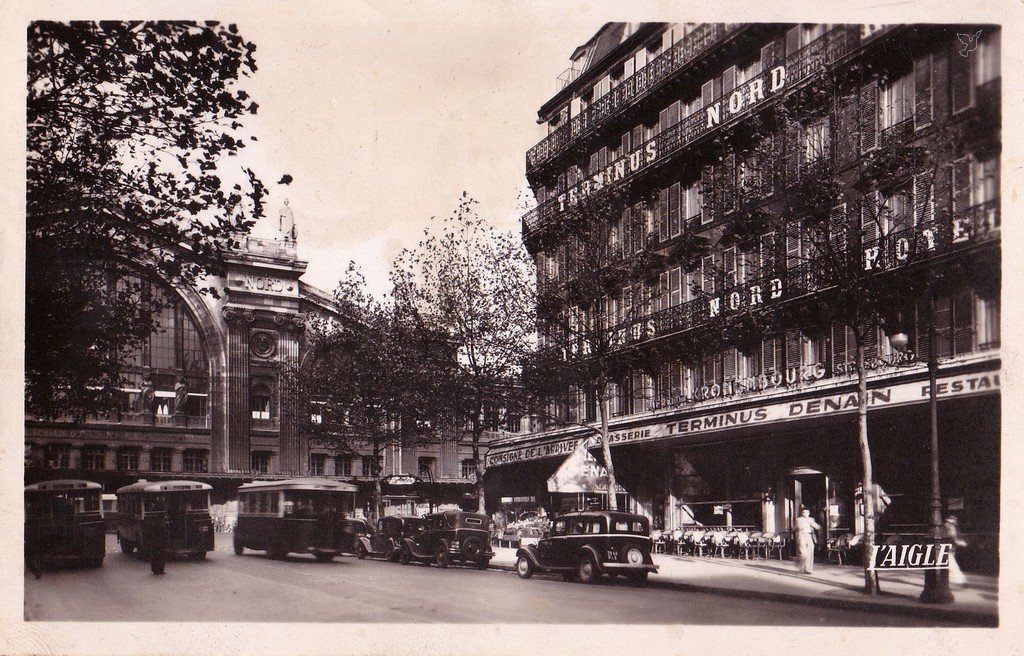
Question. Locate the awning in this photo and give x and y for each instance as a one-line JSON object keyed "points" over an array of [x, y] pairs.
{"points": [[580, 473]]}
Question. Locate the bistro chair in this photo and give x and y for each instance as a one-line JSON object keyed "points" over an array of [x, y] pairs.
{"points": [[677, 540], [739, 543], [753, 545], [767, 538], [775, 545], [838, 548], [697, 543], [658, 541], [719, 543]]}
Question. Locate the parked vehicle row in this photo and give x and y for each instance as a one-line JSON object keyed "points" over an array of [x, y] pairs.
{"points": [[65, 519]]}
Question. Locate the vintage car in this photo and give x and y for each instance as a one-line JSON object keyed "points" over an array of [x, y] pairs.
{"points": [[450, 536], [585, 545], [386, 541]]}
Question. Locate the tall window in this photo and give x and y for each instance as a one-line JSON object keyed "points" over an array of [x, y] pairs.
{"points": [[58, 456], [426, 467], [260, 401], [816, 140], [986, 58], [260, 461], [468, 468], [371, 466], [94, 457], [317, 464], [128, 458], [898, 101], [987, 322], [197, 460], [160, 460], [343, 465], [985, 181]]}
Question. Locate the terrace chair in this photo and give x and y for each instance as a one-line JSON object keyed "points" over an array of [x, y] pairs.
{"points": [[718, 543], [775, 545], [698, 542], [658, 541], [767, 538], [838, 547], [677, 540], [739, 543], [753, 545]]}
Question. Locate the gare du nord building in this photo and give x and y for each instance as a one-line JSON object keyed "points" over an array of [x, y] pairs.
{"points": [[208, 401], [747, 437]]}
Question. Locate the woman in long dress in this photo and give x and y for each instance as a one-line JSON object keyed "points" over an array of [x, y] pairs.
{"points": [[949, 531], [805, 528]]}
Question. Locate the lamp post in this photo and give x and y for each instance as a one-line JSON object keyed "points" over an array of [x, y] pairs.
{"points": [[936, 581]]}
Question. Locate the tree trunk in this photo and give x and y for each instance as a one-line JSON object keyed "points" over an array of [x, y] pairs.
{"points": [[867, 482], [479, 464], [606, 451]]}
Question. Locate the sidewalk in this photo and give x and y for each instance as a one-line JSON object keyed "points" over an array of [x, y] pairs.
{"points": [[976, 603]]}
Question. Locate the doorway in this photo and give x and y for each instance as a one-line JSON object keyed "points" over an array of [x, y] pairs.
{"points": [[808, 489]]}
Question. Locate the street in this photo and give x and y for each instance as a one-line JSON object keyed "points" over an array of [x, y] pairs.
{"points": [[251, 587]]}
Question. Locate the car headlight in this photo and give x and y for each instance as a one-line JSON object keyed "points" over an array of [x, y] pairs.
{"points": [[455, 544], [634, 556]]}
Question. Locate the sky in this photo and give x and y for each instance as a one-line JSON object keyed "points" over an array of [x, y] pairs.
{"points": [[384, 116]]}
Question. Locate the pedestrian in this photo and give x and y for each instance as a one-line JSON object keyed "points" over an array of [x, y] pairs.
{"points": [[805, 533], [950, 533]]}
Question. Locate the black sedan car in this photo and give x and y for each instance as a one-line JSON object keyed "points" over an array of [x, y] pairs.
{"points": [[449, 537], [584, 545], [386, 541]]}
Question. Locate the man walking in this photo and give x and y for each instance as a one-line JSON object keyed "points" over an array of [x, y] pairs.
{"points": [[805, 531]]}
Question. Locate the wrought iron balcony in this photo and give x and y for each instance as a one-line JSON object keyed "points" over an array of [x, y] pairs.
{"points": [[724, 111], [628, 91]]}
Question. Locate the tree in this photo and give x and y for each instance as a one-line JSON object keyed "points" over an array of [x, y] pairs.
{"points": [[371, 378], [471, 282], [595, 292], [819, 201], [130, 131]]}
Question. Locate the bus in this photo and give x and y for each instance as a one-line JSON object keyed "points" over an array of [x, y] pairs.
{"points": [[64, 521], [183, 505], [301, 515]]}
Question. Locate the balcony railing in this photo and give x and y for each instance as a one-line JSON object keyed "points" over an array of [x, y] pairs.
{"points": [[723, 111], [628, 91]]}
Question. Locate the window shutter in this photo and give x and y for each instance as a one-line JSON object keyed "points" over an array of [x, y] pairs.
{"points": [[768, 353], [840, 354], [662, 214], [707, 93], [728, 80], [673, 113], [963, 323], [793, 249], [871, 343], [922, 343], [961, 181], [707, 265], [767, 56], [869, 228], [792, 348], [922, 91], [602, 158], [707, 211], [923, 199], [729, 362], [624, 143], [729, 265], [960, 91], [767, 253], [869, 133], [847, 130], [729, 183], [638, 136], [837, 231], [792, 40], [791, 157], [673, 210], [663, 292]]}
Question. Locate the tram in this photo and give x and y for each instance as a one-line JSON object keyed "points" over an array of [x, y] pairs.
{"points": [[301, 515], [183, 507], [64, 521]]}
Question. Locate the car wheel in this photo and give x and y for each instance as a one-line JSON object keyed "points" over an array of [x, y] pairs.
{"points": [[127, 546], [524, 568], [360, 551], [638, 580], [403, 556], [442, 559], [390, 553], [473, 549], [239, 547], [586, 570]]}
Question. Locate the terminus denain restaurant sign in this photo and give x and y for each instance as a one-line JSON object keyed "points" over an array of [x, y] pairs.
{"points": [[845, 402]]}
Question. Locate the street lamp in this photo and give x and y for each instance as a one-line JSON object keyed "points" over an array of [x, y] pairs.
{"points": [[936, 581]]}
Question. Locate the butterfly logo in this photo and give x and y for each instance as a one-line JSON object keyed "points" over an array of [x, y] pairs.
{"points": [[970, 42]]}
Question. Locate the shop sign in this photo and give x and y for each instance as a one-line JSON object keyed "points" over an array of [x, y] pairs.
{"points": [[400, 480], [846, 402], [532, 453], [746, 96], [911, 556]]}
